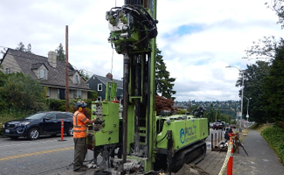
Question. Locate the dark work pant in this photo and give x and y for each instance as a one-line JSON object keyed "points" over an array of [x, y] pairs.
{"points": [[80, 152]]}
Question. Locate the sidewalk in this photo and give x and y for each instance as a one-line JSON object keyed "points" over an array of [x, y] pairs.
{"points": [[213, 161], [262, 159]]}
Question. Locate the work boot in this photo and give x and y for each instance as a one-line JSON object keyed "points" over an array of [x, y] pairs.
{"points": [[80, 170]]}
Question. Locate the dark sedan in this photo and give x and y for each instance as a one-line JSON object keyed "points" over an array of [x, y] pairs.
{"points": [[219, 125], [42, 123], [233, 126]]}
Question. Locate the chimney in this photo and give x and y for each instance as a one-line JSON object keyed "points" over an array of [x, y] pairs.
{"points": [[109, 76], [52, 58]]}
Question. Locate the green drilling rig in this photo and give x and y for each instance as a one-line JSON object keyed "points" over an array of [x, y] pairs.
{"points": [[138, 141]]}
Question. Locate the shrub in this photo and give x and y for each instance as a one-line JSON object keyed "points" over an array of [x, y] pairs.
{"points": [[8, 115], [63, 108], [21, 92], [54, 104], [93, 95]]}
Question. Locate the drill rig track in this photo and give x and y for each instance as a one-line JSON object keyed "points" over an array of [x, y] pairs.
{"points": [[193, 153]]}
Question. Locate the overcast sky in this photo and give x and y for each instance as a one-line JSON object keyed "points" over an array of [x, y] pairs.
{"points": [[198, 39]]}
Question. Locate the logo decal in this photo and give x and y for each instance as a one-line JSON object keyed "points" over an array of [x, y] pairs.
{"points": [[182, 135]]}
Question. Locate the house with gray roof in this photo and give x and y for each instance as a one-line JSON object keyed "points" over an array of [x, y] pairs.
{"points": [[49, 71], [98, 83]]}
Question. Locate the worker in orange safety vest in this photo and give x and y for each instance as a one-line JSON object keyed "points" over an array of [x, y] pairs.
{"points": [[80, 122]]}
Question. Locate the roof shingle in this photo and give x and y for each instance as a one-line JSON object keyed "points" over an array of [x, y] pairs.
{"points": [[56, 76]]}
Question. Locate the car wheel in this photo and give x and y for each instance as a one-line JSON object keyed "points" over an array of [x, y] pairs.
{"points": [[14, 137], [33, 134], [70, 131]]}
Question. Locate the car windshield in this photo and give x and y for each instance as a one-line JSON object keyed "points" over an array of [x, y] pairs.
{"points": [[36, 116]]}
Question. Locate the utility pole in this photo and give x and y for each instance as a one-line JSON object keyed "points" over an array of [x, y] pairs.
{"points": [[66, 71], [242, 76]]}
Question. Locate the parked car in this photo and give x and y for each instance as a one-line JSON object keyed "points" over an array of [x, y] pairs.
{"points": [[41, 123], [219, 125], [233, 126]]}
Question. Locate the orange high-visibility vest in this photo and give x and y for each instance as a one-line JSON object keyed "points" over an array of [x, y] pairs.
{"points": [[79, 125]]}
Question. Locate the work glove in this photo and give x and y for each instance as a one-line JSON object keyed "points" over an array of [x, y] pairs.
{"points": [[99, 121]]}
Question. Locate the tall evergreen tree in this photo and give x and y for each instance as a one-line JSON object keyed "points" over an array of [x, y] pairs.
{"points": [[274, 87], [254, 77], [211, 114], [164, 83], [29, 49], [21, 47], [60, 53]]}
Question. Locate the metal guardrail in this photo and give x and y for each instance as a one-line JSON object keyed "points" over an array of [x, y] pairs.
{"points": [[216, 138]]}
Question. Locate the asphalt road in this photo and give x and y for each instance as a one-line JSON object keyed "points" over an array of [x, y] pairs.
{"points": [[43, 156]]}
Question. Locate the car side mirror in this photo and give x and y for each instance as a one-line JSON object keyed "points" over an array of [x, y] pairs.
{"points": [[46, 118]]}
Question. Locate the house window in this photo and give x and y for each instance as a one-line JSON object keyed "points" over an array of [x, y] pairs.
{"points": [[48, 92], [100, 87], [42, 74], [77, 94], [61, 94], [76, 79], [99, 98], [8, 70]]}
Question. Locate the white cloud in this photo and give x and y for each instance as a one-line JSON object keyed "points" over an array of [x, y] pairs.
{"points": [[197, 59]]}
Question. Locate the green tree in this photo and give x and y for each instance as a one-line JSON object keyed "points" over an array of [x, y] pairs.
{"points": [[21, 47], [265, 103], [268, 45], [60, 53], [211, 114], [254, 77], [29, 49], [83, 74], [22, 93], [218, 115], [164, 83], [3, 78], [93, 95], [274, 87], [276, 5], [263, 48], [225, 118]]}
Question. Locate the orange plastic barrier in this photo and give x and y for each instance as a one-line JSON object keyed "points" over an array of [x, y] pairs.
{"points": [[62, 129], [230, 162]]}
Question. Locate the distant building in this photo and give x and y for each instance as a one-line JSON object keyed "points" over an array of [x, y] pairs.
{"points": [[180, 106]]}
